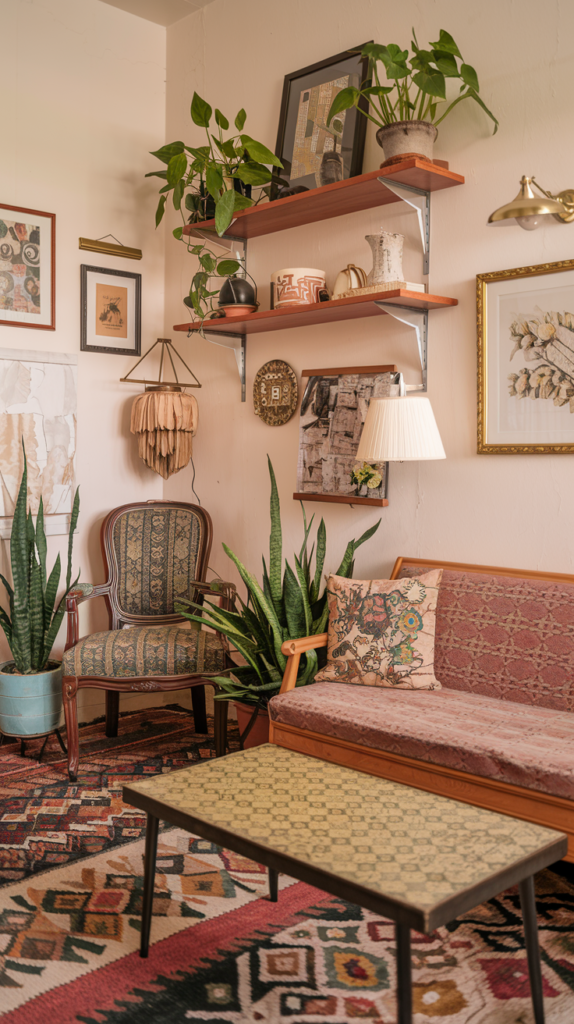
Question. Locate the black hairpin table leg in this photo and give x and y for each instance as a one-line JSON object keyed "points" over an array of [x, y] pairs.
{"points": [[149, 880], [273, 884], [528, 904], [404, 974]]}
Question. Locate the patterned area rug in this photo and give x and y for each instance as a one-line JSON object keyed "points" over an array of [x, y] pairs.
{"points": [[221, 952], [46, 820]]}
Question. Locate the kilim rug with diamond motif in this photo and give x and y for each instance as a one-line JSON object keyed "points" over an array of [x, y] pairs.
{"points": [[221, 952]]}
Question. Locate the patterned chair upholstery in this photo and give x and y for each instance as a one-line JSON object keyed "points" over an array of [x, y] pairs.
{"points": [[155, 554]]}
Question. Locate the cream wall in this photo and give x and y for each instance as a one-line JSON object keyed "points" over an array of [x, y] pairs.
{"points": [[84, 100], [514, 511]]}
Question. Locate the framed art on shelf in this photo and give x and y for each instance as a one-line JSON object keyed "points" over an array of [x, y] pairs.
{"points": [[525, 320], [27, 268], [333, 411], [111, 311], [313, 154]]}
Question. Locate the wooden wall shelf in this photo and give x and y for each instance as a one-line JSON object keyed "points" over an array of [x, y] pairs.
{"points": [[349, 196], [341, 499], [354, 308]]}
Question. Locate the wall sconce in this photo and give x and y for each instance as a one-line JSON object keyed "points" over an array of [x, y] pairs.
{"points": [[528, 210]]}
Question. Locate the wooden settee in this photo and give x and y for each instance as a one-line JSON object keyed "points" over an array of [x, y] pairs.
{"points": [[500, 733]]}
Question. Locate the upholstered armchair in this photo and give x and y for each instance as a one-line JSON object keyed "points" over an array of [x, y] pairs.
{"points": [[154, 553]]}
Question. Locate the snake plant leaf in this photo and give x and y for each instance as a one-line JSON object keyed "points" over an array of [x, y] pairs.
{"points": [[306, 531], [254, 588], [6, 626], [50, 636], [304, 595], [36, 599], [345, 568], [319, 561], [311, 668], [41, 543], [275, 544], [73, 525], [7, 587], [320, 624], [19, 558], [294, 605], [51, 593]]}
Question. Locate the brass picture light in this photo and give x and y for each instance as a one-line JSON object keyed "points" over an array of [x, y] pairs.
{"points": [[528, 210]]}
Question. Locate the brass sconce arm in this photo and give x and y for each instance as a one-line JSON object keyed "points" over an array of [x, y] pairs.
{"points": [[565, 198]]}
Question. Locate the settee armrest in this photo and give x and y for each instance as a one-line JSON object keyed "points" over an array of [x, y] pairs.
{"points": [[81, 592], [294, 649]]}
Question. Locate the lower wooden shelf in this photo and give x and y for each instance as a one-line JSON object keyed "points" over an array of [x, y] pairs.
{"points": [[351, 308], [341, 499]]}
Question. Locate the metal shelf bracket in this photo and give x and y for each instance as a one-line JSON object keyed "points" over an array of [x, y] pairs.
{"points": [[420, 201], [419, 320], [236, 342]]}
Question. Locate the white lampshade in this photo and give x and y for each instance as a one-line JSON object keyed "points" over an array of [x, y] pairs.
{"points": [[400, 430]]}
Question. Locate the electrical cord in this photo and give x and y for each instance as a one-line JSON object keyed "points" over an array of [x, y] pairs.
{"points": [[193, 483]]}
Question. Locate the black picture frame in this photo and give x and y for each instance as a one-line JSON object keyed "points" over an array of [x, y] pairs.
{"points": [[88, 276], [349, 62]]}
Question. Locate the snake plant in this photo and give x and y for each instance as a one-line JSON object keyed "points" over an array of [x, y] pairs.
{"points": [[290, 602], [35, 618]]}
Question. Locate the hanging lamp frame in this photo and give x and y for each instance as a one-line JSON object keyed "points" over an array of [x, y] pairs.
{"points": [[166, 346]]}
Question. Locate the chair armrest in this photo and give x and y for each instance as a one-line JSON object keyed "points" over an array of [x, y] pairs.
{"points": [[226, 591], [81, 592], [294, 649]]}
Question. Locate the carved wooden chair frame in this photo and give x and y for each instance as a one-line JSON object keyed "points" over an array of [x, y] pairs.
{"points": [[119, 618]]}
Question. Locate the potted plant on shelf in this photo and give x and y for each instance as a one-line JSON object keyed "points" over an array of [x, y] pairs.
{"points": [[31, 684], [290, 603], [212, 181], [406, 111]]}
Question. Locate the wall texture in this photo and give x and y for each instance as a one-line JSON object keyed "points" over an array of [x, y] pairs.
{"points": [[85, 101], [500, 510]]}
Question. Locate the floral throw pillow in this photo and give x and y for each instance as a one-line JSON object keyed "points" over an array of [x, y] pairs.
{"points": [[381, 632]]}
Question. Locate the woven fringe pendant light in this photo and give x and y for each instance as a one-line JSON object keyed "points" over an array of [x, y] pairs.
{"points": [[164, 419]]}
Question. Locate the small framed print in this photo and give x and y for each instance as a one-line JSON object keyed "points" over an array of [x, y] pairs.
{"points": [[111, 311], [27, 268], [525, 321]]}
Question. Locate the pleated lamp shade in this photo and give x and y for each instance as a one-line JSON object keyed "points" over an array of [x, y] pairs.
{"points": [[400, 430]]}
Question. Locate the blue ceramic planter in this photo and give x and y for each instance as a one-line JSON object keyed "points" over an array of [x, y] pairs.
{"points": [[30, 705]]}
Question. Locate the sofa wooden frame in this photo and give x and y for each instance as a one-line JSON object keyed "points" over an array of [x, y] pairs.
{"points": [[516, 801]]}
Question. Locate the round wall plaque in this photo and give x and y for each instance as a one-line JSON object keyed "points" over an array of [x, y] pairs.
{"points": [[275, 393]]}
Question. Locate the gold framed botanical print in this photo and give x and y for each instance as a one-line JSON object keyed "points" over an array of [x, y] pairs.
{"points": [[525, 321]]}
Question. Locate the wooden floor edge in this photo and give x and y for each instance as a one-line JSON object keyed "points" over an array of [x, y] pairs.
{"points": [[516, 801]]}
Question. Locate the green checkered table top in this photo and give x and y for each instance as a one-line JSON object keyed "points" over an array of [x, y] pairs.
{"points": [[416, 856]]}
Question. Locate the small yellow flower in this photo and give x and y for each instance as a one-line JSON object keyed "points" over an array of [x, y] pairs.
{"points": [[375, 481]]}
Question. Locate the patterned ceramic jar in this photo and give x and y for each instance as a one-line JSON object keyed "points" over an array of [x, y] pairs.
{"points": [[297, 286]]}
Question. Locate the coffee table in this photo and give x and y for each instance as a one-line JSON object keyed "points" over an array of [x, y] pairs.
{"points": [[421, 860]]}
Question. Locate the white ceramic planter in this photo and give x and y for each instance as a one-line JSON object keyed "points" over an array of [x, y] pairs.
{"points": [[415, 138], [30, 705]]}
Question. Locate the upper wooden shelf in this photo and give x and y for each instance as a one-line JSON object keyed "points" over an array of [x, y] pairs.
{"points": [[348, 196], [352, 308]]}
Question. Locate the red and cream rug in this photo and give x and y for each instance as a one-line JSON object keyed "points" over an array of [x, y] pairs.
{"points": [[221, 953]]}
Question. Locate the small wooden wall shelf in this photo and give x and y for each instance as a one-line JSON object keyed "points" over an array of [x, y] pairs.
{"points": [[342, 499], [349, 196], [354, 308]]}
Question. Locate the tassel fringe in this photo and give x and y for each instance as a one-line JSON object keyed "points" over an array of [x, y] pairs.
{"points": [[164, 422]]}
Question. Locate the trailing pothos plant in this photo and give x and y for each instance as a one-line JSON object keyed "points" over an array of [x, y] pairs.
{"points": [[35, 615], [419, 83], [213, 180], [290, 602]]}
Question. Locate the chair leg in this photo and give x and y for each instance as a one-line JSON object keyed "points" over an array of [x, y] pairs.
{"points": [[220, 727], [69, 693], [112, 712], [198, 705]]}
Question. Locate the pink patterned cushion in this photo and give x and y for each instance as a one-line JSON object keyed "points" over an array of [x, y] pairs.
{"points": [[504, 637], [504, 740]]}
